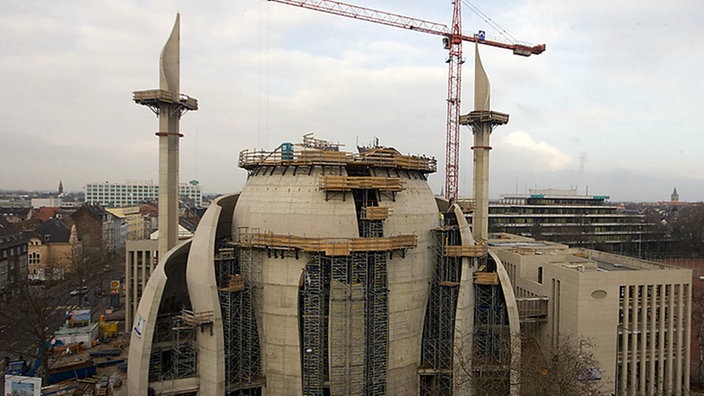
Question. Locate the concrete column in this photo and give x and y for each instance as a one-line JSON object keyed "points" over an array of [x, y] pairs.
{"points": [[168, 176], [135, 283], [624, 342], [687, 336], [678, 340], [480, 219], [670, 338], [661, 342], [653, 345], [129, 257], [642, 358], [633, 347]]}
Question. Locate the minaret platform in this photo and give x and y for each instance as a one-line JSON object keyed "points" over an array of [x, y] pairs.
{"points": [[153, 98], [484, 116]]}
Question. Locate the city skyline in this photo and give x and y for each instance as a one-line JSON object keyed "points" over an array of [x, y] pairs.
{"points": [[611, 104]]}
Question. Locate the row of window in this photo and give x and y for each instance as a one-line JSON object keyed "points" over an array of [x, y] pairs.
{"points": [[14, 251]]}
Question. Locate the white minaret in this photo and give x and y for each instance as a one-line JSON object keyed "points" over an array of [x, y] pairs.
{"points": [[483, 121], [168, 104]]}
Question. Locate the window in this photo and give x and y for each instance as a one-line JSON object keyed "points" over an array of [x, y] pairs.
{"points": [[540, 275], [34, 258]]}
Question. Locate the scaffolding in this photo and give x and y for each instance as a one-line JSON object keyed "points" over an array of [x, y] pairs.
{"points": [[320, 152], [175, 353], [313, 312], [241, 335], [347, 331], [377, 323], [344, 308], [437, 353], [491, 349], [183, 337]]}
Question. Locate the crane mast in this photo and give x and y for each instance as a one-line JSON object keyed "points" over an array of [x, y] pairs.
{"points": [[452, 38], [454, 87]]}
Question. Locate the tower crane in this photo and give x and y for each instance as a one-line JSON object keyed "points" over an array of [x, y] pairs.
{"points": [[452, 39]]}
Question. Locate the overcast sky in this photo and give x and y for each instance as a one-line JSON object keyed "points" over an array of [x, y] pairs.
{"points": [[613, 107]]}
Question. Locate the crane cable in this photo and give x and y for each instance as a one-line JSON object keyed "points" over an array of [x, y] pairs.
{"points": [[490, 22]]}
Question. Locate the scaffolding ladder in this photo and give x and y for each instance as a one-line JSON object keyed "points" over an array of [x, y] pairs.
{"points": [[438, 347], [241, 335]]}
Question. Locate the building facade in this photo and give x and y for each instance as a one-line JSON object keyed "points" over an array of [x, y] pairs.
{"points": [[97, 228], [134, 222], [117, 195], [636, 313], [564, 216], [13, 259], [54, 250]]}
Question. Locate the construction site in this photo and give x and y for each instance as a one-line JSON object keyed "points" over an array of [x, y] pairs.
{"points": [[330, 269], [336, 272]]}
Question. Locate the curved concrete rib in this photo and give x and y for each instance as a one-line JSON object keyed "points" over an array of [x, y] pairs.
{"points": [[513, 322], [203, 291], [464, 319], [145, 321]]}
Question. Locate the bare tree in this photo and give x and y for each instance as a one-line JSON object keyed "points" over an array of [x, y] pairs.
{"points": [[566, 369], [688, 230], [569, 369], [30, 312]]}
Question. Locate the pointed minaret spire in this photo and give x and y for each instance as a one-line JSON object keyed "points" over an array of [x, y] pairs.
{"points": [[482, 120], [168, 104], [482, 88]]}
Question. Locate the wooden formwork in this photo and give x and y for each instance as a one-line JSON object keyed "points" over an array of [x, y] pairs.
{"points": [[191, 318], [477, 250], [235, 283], [347, 183], [310, 157], [331, 247], [486, 278], [389, 158], [375, 213], [316, 153]]}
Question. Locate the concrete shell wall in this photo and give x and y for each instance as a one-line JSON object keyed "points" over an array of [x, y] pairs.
{"points": [[203, 290], [285, 203], [142, 339], [413, 212]]}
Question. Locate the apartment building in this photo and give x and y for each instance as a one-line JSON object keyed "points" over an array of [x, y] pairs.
{"points": [[132, 193]]}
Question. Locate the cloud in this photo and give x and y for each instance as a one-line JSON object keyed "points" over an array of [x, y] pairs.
{"points": [[541, 152]]}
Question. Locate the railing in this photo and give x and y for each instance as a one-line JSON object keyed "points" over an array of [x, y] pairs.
{"points": [[375, 213], [347, 183], [532, 307], [478, 250], [330, 246], [251, 159]]}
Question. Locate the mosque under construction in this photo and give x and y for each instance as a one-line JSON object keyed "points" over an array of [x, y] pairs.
{"points": [[330, 273], [341, 273]]}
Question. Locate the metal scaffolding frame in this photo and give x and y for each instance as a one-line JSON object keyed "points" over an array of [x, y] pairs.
{"points": [[437, 351], [184, 354], [361, 368], [314, 325], [377, 323], [241, 335], [347, 342], [174, 355], [491, 349]]}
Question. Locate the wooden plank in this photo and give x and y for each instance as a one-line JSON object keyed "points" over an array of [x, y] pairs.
{"points": [[465, 250], [486, 278]]}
